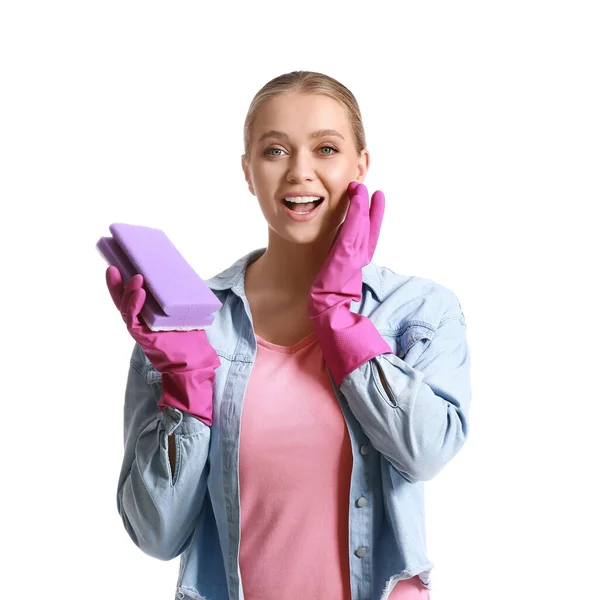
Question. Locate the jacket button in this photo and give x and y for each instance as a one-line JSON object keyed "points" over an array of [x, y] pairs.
{"points": [[361, 552], [362, 501], [364, 450]]}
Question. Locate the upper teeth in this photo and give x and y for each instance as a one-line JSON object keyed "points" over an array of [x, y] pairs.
{"points": [[301, 199]]}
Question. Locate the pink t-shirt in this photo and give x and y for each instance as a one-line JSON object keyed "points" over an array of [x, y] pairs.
{"points": [[295, 466]]}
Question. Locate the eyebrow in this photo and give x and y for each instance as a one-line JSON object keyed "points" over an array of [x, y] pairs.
{"points": [[320, 133]]}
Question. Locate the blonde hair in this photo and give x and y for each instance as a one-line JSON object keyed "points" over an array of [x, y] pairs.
{"points": [[306, 82]]}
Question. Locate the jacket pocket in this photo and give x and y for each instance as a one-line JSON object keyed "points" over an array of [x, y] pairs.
{"points": [[173, 468], [380, 382], [407, 346]]}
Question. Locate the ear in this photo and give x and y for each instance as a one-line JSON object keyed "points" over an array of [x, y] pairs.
{"points": [[246, 171], [362, 165]]}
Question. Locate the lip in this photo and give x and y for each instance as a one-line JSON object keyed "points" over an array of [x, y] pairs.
{"points": [[303, 217]]}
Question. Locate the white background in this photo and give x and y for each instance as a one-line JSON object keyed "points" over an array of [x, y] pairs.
{"points": [[478, 124]]}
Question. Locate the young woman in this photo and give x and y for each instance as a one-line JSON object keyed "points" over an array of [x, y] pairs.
{"points": [[282, 452]]}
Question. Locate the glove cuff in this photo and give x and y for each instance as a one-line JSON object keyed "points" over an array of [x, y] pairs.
{"points": [[190, 391], [347, 341]]}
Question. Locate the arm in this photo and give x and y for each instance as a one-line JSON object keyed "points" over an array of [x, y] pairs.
{"points": [[159, 508], [414, 411]]}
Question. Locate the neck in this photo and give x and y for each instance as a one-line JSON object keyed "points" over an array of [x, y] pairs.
{"points": [[288, 269]]}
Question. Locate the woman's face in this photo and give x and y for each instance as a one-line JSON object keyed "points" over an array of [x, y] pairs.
{"points": [[288, 156]]}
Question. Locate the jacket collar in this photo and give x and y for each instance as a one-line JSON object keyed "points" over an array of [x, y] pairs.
{"points": [[233, 277]]}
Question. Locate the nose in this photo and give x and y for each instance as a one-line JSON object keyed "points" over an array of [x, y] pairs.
{"points": [[300, 167]]}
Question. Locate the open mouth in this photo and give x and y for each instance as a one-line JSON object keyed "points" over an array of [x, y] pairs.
{"points": [[302, 207]]}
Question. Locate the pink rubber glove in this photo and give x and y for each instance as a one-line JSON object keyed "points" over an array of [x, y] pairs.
{"points": [[186, 359], [348, 339]]}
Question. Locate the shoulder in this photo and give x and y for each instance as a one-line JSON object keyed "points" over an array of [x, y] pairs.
{"points": [[402, 300]]}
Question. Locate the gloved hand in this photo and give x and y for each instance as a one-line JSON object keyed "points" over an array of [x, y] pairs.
{"points": [[348, 339], [185, 359]]}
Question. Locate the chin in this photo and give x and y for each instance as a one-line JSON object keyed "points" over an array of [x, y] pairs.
{"points": [[303, 235]]}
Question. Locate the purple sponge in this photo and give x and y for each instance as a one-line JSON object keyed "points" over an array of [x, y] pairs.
{"points": [[176, 297]]}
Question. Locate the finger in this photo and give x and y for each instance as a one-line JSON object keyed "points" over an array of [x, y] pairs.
{"points": [[356, 188], [355, 222], [115, 285], [136, 303], [361, 210], [376, 216], [134, 284], [351, 188]]}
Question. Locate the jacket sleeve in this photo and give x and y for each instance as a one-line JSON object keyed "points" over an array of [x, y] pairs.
{"points": [[159, 511], [414, 411]]}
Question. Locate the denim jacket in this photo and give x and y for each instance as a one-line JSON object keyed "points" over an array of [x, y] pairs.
{"points": [[406, 413]]}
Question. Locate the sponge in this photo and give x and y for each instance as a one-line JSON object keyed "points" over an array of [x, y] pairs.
{"points": [[177, 299]]}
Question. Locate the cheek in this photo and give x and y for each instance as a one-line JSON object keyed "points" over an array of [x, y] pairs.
{"points": [[340, 174], [337, 180], [259, 172], [260, 179], [337, 187]]}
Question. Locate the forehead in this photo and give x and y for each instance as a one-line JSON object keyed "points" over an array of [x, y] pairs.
{"points": [[297, 114]]}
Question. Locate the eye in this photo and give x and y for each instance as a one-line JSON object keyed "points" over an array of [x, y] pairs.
{"points": [[273, 151], [269, 150], [333, 148]]}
